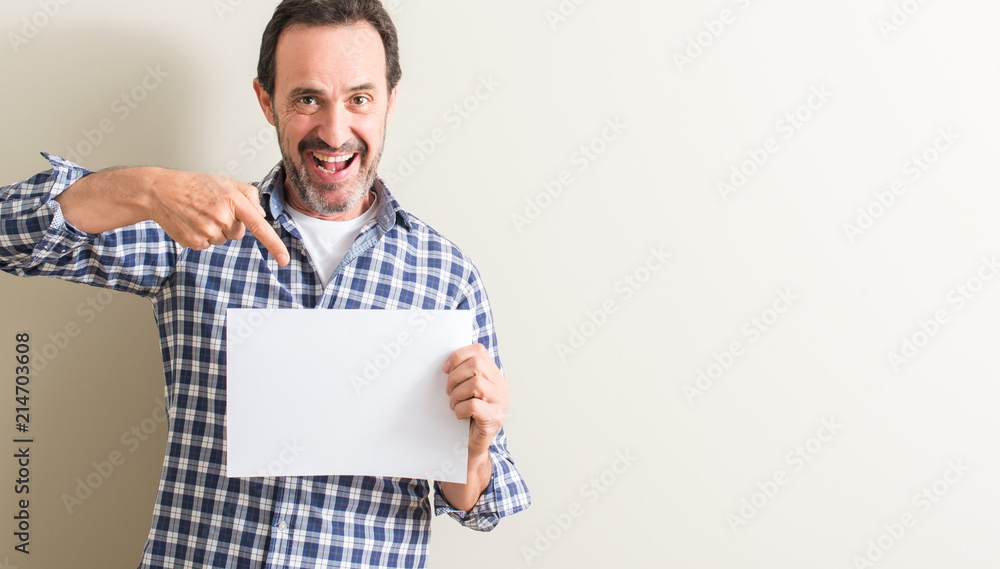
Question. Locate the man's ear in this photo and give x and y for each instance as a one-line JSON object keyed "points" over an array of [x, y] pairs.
{"points": [[265, 101], [392, 104]]}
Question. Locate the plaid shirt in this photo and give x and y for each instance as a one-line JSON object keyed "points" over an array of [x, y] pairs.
{"points": [[201, 517]]}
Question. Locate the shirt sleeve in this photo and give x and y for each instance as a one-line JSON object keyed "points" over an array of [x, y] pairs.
{"points": [[507, 492], [35, 239]]}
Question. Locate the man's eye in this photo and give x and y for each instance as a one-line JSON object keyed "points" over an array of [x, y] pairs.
{"points": [[361, 99], [308, 100]]}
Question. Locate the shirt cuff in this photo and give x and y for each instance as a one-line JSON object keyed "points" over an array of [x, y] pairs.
{"points": [[61, 236], [484, 516]]}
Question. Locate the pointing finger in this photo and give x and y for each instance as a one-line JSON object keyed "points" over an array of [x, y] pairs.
{"points": [[262, 230], [253, 195]]}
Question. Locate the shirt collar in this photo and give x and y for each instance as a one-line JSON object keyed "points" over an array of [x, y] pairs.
{"points": [[272, 190]]}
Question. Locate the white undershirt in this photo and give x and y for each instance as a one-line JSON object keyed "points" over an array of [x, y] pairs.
{"points": [[327, 242]]}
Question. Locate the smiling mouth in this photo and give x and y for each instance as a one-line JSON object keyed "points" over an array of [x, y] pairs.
{"points": [[333, 164]]}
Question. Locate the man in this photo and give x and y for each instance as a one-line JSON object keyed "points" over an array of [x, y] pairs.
{"points": [[320, 231]]}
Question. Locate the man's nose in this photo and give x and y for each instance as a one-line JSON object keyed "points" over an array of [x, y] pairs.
{"points": [[334, 126]]}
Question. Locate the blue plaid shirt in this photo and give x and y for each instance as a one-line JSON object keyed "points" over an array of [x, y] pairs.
{"points": [[202, 518]]}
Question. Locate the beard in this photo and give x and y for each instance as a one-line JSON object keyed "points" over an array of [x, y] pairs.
{"points": [[320, 196]]}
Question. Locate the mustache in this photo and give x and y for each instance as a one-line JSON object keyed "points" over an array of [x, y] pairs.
{"points": [[317, 145]]}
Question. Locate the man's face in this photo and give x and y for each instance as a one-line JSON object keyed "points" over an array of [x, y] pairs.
{"points": [[331, 106]]}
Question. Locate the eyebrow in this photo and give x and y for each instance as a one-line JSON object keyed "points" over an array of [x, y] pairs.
{"points": [[311, 91], [303, 91]]}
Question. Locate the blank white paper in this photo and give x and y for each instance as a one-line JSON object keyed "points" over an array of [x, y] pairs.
{"points": [[344, 392]]}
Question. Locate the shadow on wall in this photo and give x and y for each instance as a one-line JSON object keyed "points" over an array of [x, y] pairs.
{"points": [[103, 97], [100, 96]]}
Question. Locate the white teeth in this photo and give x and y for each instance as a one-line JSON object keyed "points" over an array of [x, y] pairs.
{"points": [[328, 158]]}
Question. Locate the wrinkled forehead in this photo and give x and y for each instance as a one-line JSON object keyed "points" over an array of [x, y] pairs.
{"points": [[330, 55]]}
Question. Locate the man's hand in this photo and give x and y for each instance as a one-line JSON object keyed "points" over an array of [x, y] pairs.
{"points": [[201, 210], [478, 391], [195, 210]]}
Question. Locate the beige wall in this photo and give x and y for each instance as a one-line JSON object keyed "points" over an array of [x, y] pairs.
{"points": [[805, 417]]}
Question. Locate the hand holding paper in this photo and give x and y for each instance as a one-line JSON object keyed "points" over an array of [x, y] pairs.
{"points": [[478, 390]]}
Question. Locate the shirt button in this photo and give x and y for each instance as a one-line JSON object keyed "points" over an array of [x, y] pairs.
{"points": [[282, 526]]}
